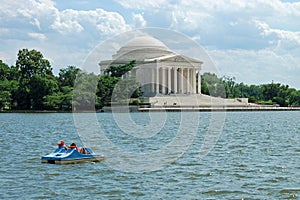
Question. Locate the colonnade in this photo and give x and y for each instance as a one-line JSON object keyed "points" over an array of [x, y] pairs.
{"points": [[171, 80]]}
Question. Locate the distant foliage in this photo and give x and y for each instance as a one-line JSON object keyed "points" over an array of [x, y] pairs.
{"points": [[115, 86], [212, 85], [271, 94], [31, 85]]}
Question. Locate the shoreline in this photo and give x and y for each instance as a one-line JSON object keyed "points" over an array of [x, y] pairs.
{"points": [[123, 109], [219, 109]]}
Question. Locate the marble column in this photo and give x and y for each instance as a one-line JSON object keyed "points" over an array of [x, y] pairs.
{"points": [[188, 85], [157, 80], [194, 81], [163, 80], [152, 80], [199, 82], [169, 81], [181, 80], [175, 80], [148, 81]]}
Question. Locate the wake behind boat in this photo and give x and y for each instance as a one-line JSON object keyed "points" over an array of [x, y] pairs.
{"points": [[63, 155]]}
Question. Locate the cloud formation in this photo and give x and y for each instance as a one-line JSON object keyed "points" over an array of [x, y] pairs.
{"points": [[139, 21], [74, 21], [258, 37], [28, 23], [256, 41]]}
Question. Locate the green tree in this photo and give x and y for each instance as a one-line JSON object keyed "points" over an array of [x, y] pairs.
{"points": [[212, 85], [39, 88], [255, 92], [105, 89], [67, 76], [32, 63], [125, 89], [276, 93], [4, 71], [229, 84], [61, 99], [5, 91], [294, 97], [112, 87], [84, 93], [204, 88], [36, 79], [118, 71], [270, 91]]}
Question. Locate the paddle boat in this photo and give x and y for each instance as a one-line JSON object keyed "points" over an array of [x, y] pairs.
{"points": [[71, 155]]}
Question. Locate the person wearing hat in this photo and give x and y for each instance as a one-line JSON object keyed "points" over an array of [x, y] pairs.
{"points": [[62, 145]]}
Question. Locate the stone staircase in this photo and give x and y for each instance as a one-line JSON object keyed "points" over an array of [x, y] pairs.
{"points": [[195, 100]]}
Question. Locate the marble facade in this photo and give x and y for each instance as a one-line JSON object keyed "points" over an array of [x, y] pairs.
{"points": [[158, 69]]}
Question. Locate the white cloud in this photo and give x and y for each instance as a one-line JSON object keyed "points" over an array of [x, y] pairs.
{"points": [[38, 36], [253, 40], [44, 16], [67, 22], [139, 21], [215, 19], [281, 34], [41, 25], [143, 5], [189, 21], [74, 21], [257, 67], [28, 12]]}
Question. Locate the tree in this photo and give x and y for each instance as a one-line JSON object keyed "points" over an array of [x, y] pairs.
{"points": [[84, 93], [4, 71], [105, 89], [36, 79], [61, 97], [112, 83], [125, 89], [269, 91], [276, 93], [67, 76], [60, 100], [204, 88], [229, 84], [7, 86], [119, 71], [294, 97], [32, 63], [212, 85], [39, 88]]}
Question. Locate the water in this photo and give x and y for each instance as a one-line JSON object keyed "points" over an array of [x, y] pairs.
{"points": [[257, 156]]}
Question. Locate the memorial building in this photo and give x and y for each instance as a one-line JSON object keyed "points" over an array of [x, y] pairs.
{"points": [[158, 69], [167, 79]]}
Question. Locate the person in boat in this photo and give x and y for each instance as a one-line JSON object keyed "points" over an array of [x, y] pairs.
{"points": [[73, 146], [62, 145], [83, 150]]}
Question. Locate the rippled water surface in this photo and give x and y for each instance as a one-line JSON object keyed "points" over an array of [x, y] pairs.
{"points": [[256, 156]]}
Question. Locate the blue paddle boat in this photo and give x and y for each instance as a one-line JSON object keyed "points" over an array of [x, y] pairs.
{"points": [[63, 155]]}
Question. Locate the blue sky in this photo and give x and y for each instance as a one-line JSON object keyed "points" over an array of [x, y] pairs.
{"points": [[255, 41]]}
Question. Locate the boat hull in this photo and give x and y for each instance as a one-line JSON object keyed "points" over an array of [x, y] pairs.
{"points": [[71, 156], [73, 161]]}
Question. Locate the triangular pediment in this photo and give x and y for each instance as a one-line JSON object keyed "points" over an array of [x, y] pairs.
{"points": [[173, 58]]}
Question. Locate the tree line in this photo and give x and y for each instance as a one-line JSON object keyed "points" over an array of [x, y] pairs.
{"points": [[31, 85], [267, 94]]}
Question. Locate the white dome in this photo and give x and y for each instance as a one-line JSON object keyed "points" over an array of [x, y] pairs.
{"points": [[142, 42]]}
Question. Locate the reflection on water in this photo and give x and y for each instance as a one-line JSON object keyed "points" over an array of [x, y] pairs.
{"points": [[256, 157]]}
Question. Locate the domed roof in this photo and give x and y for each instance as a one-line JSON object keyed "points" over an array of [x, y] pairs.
{"points": [[142, 42]]}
